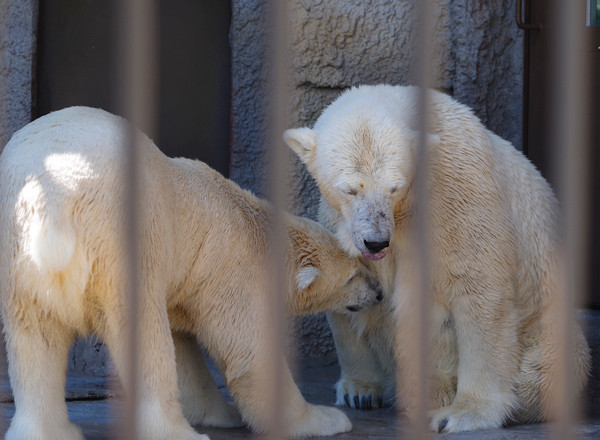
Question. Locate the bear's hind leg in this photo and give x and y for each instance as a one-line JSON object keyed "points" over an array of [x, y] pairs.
{"points": [[488, 360], [37, 362], [201, 401], [159, 415], [536, 386]]}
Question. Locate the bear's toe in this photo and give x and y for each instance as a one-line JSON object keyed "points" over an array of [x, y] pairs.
{"points": [[451, 420], [357, 395]]}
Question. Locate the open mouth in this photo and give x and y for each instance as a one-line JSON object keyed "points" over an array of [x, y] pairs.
{"points": [[374, 257]]}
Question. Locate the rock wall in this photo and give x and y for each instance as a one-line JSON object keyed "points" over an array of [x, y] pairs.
{"points": [[18, 22], [336, 44]]}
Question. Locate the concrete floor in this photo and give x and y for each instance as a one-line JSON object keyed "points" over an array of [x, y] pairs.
{"points": [[93, 406]]}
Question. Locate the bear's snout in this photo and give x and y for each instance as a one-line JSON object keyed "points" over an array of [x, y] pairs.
{"points": [[369, 295], [375, 249], [376, 246]]}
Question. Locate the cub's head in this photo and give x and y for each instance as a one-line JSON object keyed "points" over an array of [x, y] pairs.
{"points": [[325, 277], [361, 152]]}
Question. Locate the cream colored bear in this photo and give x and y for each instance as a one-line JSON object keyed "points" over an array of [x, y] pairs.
{"points": [[493, 238], [203, 265]]}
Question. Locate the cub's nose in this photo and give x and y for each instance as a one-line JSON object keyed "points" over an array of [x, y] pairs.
{"points": [[376, 246], [379, 296]]}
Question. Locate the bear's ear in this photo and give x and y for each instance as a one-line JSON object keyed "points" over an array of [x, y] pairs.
{"points": [[306, 276], [433, 140], [303, 141]]}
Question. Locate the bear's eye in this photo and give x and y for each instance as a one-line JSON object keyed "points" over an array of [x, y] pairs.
{"points": [[352, 277], [394, 189], [351, 191]]}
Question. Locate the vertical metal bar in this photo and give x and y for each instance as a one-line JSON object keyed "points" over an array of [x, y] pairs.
{"points": [[278, 66], [569, 121], [420, 295], [138, 36]]}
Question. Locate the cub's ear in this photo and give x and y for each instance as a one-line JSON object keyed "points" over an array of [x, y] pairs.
{"points": [[303, 141], [433, 140], [306, 276]]}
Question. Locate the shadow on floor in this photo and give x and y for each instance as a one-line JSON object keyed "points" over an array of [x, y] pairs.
{"points": [[94, 406]]}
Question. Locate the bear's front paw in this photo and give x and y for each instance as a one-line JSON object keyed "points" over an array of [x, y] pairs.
{"points": [[359, 395], [319, 421], [456, 419], [25, 428]]}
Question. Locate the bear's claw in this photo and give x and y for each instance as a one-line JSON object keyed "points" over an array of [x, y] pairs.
{"points": [[362, 402], [347, 400], [442, 426], [366, 402], [359, 395]]}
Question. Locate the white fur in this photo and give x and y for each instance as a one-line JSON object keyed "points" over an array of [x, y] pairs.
{"points": [[493, 259], [203, 275], [306, 276], [51, 245]]}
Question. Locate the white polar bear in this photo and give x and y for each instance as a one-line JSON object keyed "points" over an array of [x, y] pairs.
{"points": [[493, 238], [203, 266]]}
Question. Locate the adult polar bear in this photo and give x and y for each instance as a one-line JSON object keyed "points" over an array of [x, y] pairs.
{"points": [[493, 246]]}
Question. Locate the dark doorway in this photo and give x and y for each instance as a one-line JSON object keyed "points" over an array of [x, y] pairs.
{"points": [[77, 65], [539, 49]]}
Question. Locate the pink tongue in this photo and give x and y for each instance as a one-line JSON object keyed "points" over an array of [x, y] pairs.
{"points": [[373, 257]]}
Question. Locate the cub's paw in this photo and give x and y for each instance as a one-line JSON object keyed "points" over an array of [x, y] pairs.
{"points": [[457, 419], [320, 421], [26, 429], [359, 395]]}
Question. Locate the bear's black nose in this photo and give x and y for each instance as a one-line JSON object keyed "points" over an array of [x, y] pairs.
{"points": [[376, 246], [379, 296]]}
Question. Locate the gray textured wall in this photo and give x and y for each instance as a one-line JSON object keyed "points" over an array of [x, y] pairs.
{"points": [[336, 44], [18, 21]]}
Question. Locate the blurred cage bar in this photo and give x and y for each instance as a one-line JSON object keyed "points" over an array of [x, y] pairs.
{"points": [[419, 297], [138, 30], [277, 36], [570, 119], [569, 122]]}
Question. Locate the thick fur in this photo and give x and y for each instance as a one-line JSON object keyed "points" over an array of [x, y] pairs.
{"points": [[494, 252], [203, 266]]}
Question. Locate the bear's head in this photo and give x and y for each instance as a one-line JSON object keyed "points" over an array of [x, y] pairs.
{"points": [[361, 153], [326, 277]]}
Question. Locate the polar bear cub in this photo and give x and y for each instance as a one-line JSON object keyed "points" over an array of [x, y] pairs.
{"points": [[202, 261], [494, 245]]}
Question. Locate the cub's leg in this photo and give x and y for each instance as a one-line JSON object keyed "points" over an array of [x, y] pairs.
{"points": [[488, 359], [363, 384], [236, 340], [201, 400], [37, 348], [159, 412], [299, 418]]}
